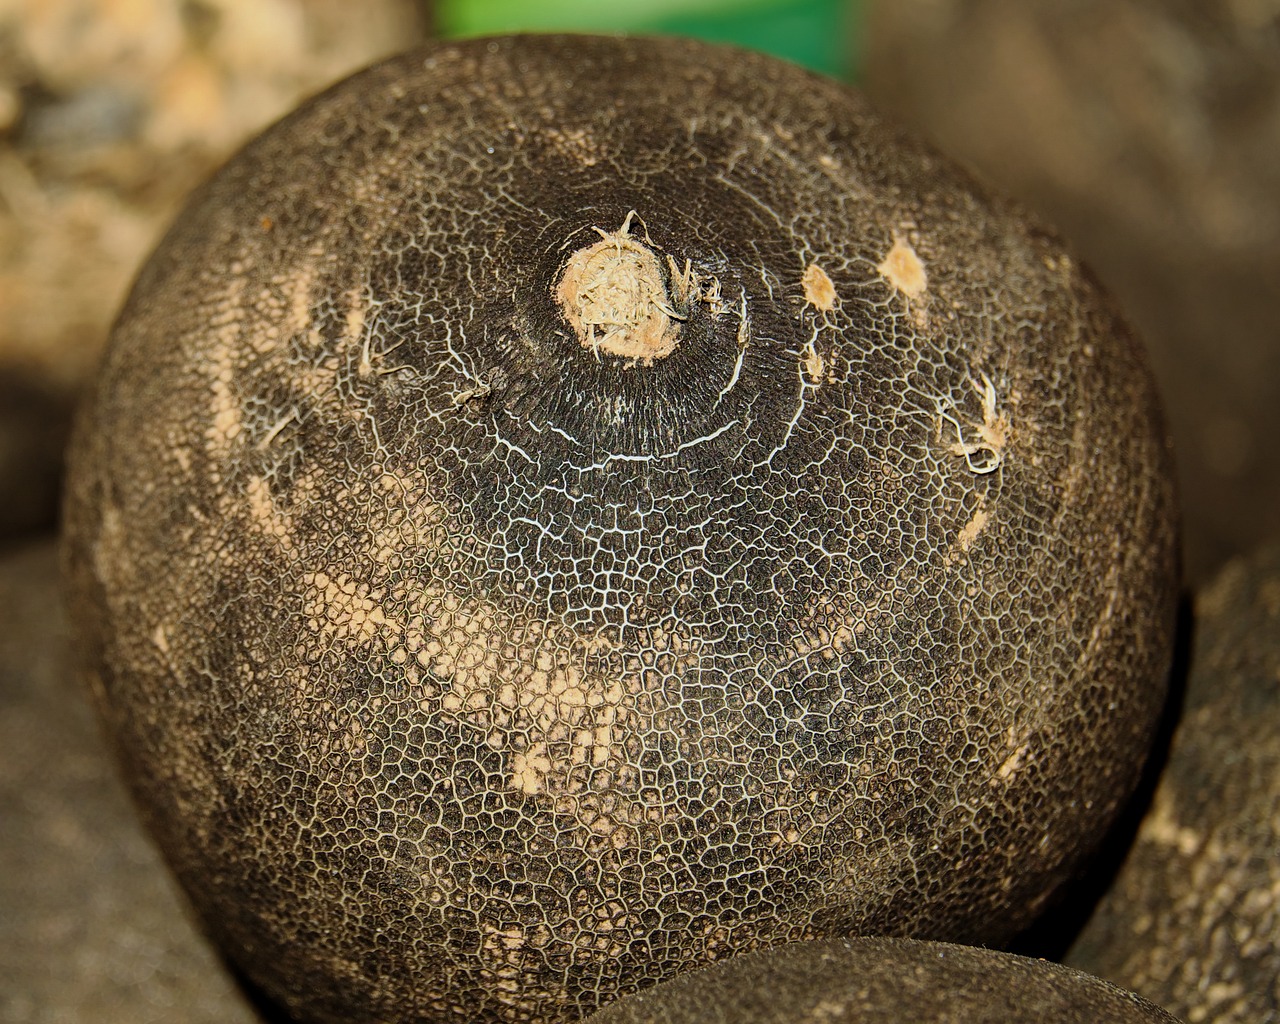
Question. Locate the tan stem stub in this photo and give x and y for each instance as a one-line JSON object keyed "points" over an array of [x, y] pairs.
{"points": [[614, 296]]}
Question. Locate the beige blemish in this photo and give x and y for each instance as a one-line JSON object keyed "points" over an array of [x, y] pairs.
{"points": [[225, 421], [356, 331], [109, 561], [160, 638], [1019, 748], [341, 608], [834, 621], [972, 528], [819, 292], [301, 285], [265, 516], [576, 144], [1012, 763], [530, 768], [814, 365], [969, 534], [904, 269], [554, 701]]}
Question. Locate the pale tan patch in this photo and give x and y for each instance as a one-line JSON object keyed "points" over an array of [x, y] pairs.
{"points": [[819, 292], [1016, 760], [300, 289], [576, 143], [554, 701], [834, 621], [109, 562], [225, 421], [1104, 625], [501, 949], [356, 334], [355, 315], [264, 515], [529, 769], [613, 295], [341, 608], [1012, 763], [972, 528], [969, 533], [160, 637], [904, 269]]}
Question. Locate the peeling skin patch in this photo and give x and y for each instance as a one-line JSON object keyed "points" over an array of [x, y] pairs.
{"points": [[819, 292], [976, 525], [814, 365], [903, 269], [968, 535]]}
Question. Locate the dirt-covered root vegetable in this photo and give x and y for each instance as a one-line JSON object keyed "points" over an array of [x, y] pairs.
{"points": [[557, 511], [1193, 919], [883, 981]]}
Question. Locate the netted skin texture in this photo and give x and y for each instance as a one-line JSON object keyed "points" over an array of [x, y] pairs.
{"points": [[474, 665], [883, 981], [1193, 919]]}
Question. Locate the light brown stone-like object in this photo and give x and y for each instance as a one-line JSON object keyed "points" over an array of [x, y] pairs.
{"points": [[493, 622], [92, 930], [1193, 919], [883, 981], [110, 113]]}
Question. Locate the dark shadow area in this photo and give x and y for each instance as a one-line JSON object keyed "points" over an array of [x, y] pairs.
{"points": [[1052, 934], [34, 427], [262, 1004]]}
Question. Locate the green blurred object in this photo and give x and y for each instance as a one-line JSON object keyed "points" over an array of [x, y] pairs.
{"points": [[823, 35]]}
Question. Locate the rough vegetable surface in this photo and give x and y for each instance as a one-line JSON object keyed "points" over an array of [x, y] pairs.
{"points": [[473, 667], [1193, 919], [883, 981]]}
